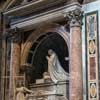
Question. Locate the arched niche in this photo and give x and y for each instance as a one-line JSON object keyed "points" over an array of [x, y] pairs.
{"points": [[47, 36]]}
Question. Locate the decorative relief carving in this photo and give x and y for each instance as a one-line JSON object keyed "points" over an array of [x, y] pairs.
{"points": [[93, 90], [91, 26], [14, 34], [92, 48], [74, 17]]}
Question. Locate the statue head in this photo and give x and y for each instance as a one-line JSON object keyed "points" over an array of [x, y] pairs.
{"points": [[19, 84], [50, 52]]}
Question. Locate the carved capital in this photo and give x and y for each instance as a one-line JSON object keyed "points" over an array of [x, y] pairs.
{"points": [[74, 18], [14, 34]]}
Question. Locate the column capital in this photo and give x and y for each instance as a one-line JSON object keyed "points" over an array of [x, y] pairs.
{"points": [[74, 17], [14, 34]]}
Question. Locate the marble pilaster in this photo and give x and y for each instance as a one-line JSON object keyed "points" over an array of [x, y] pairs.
{"points": [[14, 64]]}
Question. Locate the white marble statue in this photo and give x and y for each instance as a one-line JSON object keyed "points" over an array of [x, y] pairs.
{"points": [[21, 91], [55, 69]]}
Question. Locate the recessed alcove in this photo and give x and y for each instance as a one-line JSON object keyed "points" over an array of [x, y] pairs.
{"points": [[38, 52]]}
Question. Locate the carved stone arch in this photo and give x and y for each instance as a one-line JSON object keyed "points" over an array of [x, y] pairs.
{"points": [[42, 30]]}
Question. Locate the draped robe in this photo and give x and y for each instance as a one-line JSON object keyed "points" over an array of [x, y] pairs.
{"points": [[55, 69]]}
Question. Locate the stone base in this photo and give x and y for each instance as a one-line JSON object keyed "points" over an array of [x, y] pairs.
{"points": [[60, 90], [38, 81], [47, 97]]}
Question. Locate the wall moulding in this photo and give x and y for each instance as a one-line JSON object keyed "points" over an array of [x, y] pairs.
{"points": [[34, 20]]}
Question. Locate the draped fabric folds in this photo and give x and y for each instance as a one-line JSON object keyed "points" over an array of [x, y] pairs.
{"points": [[55, 69]]}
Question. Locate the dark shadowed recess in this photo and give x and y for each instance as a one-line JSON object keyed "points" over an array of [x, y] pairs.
{"points": [[38, 53]]}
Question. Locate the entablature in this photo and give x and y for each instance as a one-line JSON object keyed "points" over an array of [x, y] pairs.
{"points": [[26, 17]]}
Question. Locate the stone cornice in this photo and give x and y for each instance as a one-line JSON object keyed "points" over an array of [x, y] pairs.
{"points": [[32, 6], [52, 15]]}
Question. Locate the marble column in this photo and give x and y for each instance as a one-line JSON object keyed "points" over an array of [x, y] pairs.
{"points": [[76, 80], [14, 65]]}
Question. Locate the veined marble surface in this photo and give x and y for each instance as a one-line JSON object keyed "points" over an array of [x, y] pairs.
{"points": [[88, 8]]}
